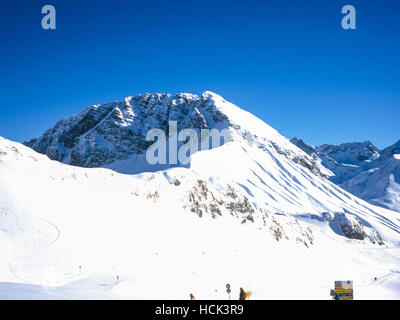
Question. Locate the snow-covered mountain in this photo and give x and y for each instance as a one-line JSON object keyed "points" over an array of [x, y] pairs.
{"points": [[345, 161], [256, 212], [113, 134], [390, 152], [380, 184], [362, 169]]}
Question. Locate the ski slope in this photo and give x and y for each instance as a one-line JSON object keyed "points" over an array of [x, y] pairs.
{"points": [[68, 232], [256, 212]]}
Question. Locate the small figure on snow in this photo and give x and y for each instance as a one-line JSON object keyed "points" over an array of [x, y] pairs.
{"points": [[242, 295], [192, 297]]}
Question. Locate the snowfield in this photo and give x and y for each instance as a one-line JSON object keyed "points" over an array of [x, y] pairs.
{"points": [[257, 213]]}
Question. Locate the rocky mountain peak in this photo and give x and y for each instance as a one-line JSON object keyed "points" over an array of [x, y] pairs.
{"points": [[101, 135]]}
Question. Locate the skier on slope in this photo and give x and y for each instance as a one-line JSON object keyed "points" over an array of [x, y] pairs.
{"points": [[242, 295], [192, 297]]}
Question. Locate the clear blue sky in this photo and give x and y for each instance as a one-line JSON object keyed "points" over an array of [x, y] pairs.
{"points": [[287, 61]]}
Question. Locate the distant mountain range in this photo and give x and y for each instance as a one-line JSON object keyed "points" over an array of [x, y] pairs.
{"points": [[362, 169]]}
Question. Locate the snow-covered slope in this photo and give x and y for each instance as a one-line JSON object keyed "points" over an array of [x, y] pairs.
{"points": [[380, 185], [361, 169], [256, 212]]}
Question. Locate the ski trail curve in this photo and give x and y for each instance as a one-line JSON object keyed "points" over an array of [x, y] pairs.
{"points": [[11, 265]]}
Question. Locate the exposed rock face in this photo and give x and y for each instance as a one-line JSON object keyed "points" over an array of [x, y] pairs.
{"points": [[351, 227], [102, 134], [203, 200], [307, 148]]}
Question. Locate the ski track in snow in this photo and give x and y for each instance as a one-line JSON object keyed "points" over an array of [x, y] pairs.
{"points": [[11, 267], [381, 280]]}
